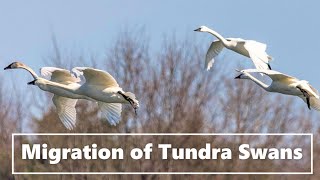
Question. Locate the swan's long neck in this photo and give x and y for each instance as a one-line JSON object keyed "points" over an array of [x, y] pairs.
{"points": [[34, 75], [217, 35], [58, 85], [68, 91], [258, 82]]}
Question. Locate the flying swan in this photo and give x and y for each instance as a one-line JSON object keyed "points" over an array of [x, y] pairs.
{"points": [[285, 84], [67, 90], [102, 87], [64, 101], [249, 48]]}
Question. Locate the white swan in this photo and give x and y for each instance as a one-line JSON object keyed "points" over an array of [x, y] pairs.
{"points": [[249, 48], [64, 101], [102, 87], [66, 85], [285, 84]]}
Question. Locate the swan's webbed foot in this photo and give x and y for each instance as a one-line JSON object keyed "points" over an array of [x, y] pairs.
{"points": [[132, 103]]}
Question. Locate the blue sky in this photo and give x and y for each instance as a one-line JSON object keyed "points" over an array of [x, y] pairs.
{"points": [[289, 27]]}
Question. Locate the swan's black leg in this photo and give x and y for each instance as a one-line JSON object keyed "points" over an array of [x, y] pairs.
{"points": [[308, 102], [305, 94], [129, 100], [269, 66]]}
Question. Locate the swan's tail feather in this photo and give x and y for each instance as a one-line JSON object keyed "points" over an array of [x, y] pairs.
{"points": [[314, 102], [134, 102]]}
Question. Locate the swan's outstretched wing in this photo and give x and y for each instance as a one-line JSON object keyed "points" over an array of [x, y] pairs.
{"points": [[257, 52], [111, 111], [314, 90], [274, 75], [258, 62], [256, 45], [66, 110], [59, 75], [213, 51], [96, 77]]}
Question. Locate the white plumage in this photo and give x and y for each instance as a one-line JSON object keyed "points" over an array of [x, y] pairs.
{"points": [[64, 101], [66, 110], [285, 84], [96, 77], [102, 87], [99, 86], [111, 111], [59, 75], [249, 48]]}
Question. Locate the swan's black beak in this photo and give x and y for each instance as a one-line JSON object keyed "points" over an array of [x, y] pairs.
{"points": [[8, 67], [197, 29], [238, 77], [32, 82]]}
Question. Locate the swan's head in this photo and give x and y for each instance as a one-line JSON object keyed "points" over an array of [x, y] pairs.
{"points": [[41, 82], [32, 82], [202, 29], [243, 75], [14, 65]]}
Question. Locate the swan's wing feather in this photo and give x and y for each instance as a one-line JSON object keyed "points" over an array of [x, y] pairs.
{"points": [[96, 77], [213, 51], [315, 103], [257, 52], [59, 75], [66, 110], [256, 45], [257, 61], [111, 111], [314, 90]]}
